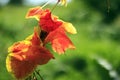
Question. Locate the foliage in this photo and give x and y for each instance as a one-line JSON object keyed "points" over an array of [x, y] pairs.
{"points": [[16, 2], [24, 56], [93, 38], [110, 9]]}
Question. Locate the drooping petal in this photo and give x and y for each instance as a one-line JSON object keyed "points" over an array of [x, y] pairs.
{"points": [[48, 22], [16, 61], [22, 63], [61, 44], [19, 69], [39, 55], [24, 56], [59, 40], [69, 27]]}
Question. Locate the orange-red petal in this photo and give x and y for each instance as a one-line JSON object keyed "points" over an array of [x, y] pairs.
{"points": [[68, 27], [19, 69], [39, 55], [49, 22], [22, 63], [34, 13], [25, 56], [59, 40]]}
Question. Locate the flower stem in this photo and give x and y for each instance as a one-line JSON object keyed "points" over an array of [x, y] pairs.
{"points": [[55, 5], [108, 4], [39, 74], [47, 3]]}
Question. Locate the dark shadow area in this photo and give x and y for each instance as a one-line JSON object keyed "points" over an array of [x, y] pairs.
{"points": [[60, 73], [16, 2], [77, 63], [110, 9]]}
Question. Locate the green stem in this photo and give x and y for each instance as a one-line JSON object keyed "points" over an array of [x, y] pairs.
{"points": [[108, 4], [47, 3], [39, 74], [55, 5]]}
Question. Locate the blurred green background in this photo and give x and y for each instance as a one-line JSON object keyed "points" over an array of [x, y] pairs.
{"points": [[97, 53]]}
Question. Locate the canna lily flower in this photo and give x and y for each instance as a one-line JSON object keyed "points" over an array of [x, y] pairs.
{"points": [[26, 55], [56, 30]]}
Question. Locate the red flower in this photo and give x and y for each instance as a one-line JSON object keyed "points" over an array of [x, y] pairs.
{"points": [[25, 56], [56, 31]]}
